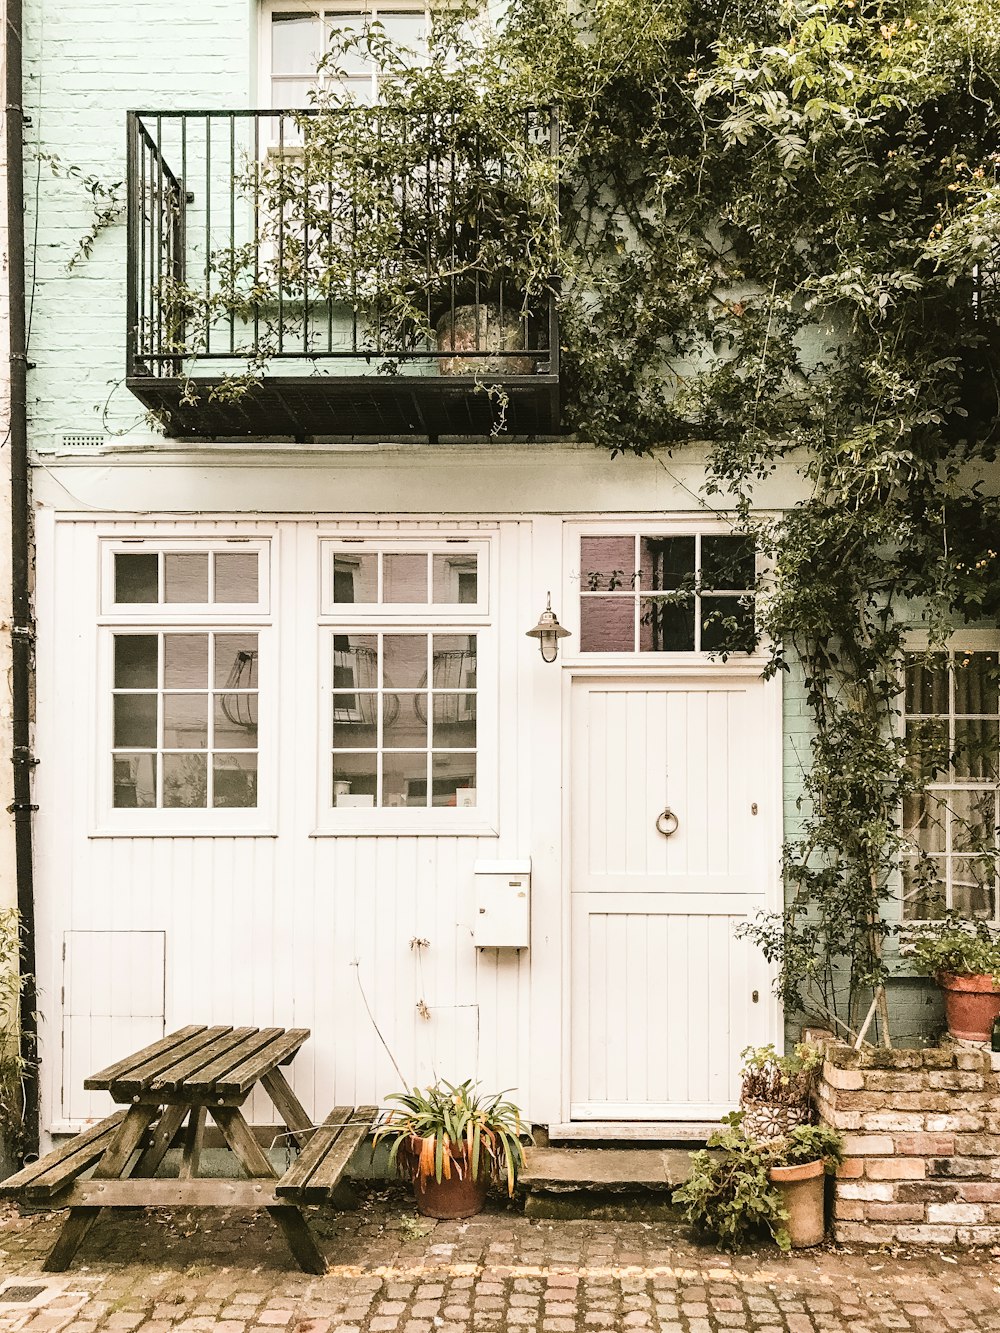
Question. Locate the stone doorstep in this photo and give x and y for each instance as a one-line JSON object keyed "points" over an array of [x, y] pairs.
{"points": [[640, 1171]]}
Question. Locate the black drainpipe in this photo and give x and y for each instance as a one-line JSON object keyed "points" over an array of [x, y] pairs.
{"points": [[22, 627]]}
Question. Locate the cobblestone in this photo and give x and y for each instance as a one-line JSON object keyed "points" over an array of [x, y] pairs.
{"points": [[190, 1272]]}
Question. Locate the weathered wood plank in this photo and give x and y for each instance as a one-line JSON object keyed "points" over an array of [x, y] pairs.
{"points": [[192, 1144], [105, 1077], [294, 1179], [136, 1193], [288, 1106], [173, 1078], [206, 1080], [75, 1156], [163, 1136], [137, 1080], [242, 1078], [326, 1178], [239, 1136]]}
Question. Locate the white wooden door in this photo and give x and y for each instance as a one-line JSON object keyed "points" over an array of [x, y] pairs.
{"points": [[664, 993]]}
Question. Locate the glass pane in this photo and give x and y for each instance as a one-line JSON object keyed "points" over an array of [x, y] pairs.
{"points": [[404, 779], [289, 95], [406, 31], [185, 578], [343, 29], [354, 780], [927, 743], [923, 889], [185, 661], [405, 660], [456, 581], [973, 886], [136, 657], [607, 624], [607, 564], [927, 684], [666, 562], [135, 720], [355, 578], [977, 750], [236, 661], [728, 562], [134, 781], [234, 781], [185, 721], [354, 721], [727, 624], [294, 43], [404, 720], [404, 578], [925, 821], [136, 578], [235, 722], [666, 626], [454, 779], [185, 780], [454, 722], [976, 683], [355, 661], [236, 576], [973, 820]]}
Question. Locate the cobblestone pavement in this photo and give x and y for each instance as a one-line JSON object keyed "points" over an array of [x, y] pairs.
{"points": [[391, 1272]]}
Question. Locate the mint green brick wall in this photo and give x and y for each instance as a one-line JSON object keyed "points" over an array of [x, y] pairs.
{"points": [[86, 65]]}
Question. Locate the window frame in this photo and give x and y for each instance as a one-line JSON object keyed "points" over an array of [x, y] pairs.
{"points": [[136, 618], [974, 641], [367, 8], [440, 618], [635, 529]]}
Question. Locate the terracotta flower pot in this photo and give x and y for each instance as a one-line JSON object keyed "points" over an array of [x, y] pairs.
{"points": [[971, 1003], [458, 1196], [803, 1192], [484, 328]]}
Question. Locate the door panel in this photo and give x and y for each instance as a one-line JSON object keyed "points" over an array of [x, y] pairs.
{"points": [[662, 987]]}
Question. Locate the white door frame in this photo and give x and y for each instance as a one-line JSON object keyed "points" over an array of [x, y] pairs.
{"points": [[771, 760]]}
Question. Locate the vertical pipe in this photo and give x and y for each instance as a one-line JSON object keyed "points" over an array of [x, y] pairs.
{"points": [[22, 628]]}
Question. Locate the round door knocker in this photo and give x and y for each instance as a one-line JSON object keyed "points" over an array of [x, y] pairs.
{"points": [[666, 823]]}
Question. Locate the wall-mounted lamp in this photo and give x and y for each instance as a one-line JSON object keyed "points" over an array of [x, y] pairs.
{"points": [[548, 632]]}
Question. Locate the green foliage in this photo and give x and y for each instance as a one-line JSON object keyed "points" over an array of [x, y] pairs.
{"points": [[768, 1076], [729, 1194], [447, 1129], [13, 1065], [965, 948]]}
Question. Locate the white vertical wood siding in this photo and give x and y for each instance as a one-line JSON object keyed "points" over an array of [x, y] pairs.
{"points": [[662, 990], [291, 929]]}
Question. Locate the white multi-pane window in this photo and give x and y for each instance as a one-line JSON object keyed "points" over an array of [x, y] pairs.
{"points": [[406, 627], [952, 728], [181, 648], [680, 593], [295, 40]]}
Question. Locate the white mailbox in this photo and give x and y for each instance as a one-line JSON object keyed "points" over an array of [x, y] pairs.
{"points": [[503, 896]]}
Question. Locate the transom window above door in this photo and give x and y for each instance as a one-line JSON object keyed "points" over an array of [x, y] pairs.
{"points": [[667, 594], [296, 40], [413, 578]]}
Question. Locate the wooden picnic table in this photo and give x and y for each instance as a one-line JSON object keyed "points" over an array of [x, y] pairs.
{"points": [[176, 1083]]}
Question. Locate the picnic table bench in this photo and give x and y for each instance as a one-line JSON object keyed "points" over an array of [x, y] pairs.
{"points": [[174, 1084]]}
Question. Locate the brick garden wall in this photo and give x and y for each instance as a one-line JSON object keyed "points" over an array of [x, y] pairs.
{"points": [[922, 1142]]}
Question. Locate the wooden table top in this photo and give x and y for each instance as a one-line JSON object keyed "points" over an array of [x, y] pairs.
{"points": [[199, 1064]]}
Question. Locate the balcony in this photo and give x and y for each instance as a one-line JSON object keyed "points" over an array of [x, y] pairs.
{"points": [[364, 272]]}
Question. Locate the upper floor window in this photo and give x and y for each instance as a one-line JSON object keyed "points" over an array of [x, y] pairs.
{"points": [[952, 729], [297, 39], [667, 594]]}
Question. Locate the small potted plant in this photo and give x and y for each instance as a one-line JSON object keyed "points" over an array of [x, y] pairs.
{"points": [[963, 957], [740, 1187], [452, 1141], [775, 1092]]}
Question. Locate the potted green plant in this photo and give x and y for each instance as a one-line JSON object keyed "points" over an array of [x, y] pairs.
{"points": [[775, 1091], [963, 957], [740, 1187], [452, 1141]]}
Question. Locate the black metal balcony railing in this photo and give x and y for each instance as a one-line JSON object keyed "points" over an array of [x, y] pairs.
{"points": [[286, 278]]}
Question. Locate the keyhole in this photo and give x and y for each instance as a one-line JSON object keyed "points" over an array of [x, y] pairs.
{"points": [[756, 997]]}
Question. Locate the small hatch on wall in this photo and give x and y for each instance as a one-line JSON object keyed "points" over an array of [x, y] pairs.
{"points": [[502, 904]]}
